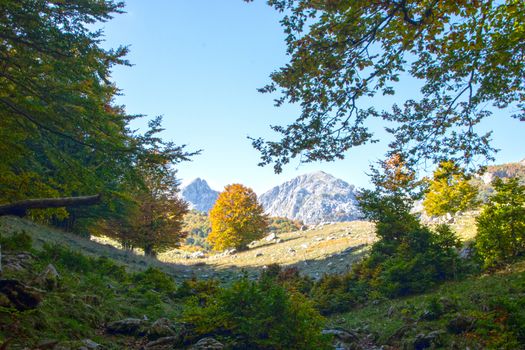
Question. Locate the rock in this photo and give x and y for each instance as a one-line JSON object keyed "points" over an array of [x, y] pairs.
{"points": [[258, 255], [270, 237], [91, 345], [391, 310], [22, 297], [312, 198], [252, 244], [341, 334], [466, 252], [199, 195], [197, 255], [128, 326], [278, 240], [161, 328], [164, 343], [207, 344], [49, 278], [461, 324], [342, 339], [291, 250], [47, 344], [304, 245], [16, 262], [230, 251], [424, 341]]}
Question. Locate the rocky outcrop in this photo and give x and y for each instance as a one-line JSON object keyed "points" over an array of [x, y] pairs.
{"points": [[312, 198], [199, 195]]}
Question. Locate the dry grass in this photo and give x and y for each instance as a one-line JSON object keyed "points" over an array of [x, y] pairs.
{"points": [[330, 248]]}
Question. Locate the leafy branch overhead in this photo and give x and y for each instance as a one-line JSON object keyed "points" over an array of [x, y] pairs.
{"points": [[466, 56]]}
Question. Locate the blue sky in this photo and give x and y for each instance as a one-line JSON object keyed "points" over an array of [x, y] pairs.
{"points": [[199, 62]]}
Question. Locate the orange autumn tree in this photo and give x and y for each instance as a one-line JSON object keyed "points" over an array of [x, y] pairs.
{"points": [[236, 218]]}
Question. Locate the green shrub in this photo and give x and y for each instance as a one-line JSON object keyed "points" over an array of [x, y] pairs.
{"points": [[19, 241], [259, 315], [67, 258], [154, 279], [501, 224], [198, 290], [288, 277], [336, 294]]}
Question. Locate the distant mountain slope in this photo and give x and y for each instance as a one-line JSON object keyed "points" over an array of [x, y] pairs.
{"points": [[312, 198], [200, 196]]}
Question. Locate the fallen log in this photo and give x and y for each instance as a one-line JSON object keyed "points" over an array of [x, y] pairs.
{"points": [[20, 208]]}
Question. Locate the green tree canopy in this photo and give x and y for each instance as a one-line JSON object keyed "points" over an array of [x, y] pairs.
{"points": [[61, 132], [501, 224], [449, 191], [466, 55]]}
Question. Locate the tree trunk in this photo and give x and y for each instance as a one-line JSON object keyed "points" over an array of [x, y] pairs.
{"points": [[148, 251], [20, 208]]}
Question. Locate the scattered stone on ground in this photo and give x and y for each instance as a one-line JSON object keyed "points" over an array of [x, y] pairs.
{"points": [[48, 279], [207, 344], [17, 261], [128, 326]]}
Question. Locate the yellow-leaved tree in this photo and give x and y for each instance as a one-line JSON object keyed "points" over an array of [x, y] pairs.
{"points": [[236, 218], [449, 191]]}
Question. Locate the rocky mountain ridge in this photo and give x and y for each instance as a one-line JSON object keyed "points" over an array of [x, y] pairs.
{"points": [[313, 198]]}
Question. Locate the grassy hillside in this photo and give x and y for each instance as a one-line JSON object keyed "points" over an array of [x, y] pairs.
{"points": [[104, 284]]}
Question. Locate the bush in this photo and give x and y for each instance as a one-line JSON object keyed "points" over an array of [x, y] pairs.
{"points": [[288, 277], [336, 294], [17, 242], [199, 290], [501, 224], [260, 315], [154, 279]]}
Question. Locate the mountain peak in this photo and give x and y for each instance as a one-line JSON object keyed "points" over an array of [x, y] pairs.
{"points": [[313, 198], [199, 195]]}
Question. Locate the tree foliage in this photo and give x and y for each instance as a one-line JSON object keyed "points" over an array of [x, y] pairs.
{"points": [[501, 224], [62, 134], [408, 257], [260, 315], [467, 56], [236, 219], [449, 191]]}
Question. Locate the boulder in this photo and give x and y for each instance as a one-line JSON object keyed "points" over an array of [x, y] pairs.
{"points": [[162, 328], [197, 255], [48, 279], [164, 343], [341, 335], [127, 326], [424, 341], [207, 344], [91, 345], [272, 236], [22, 297], [17, 261], [461, 324]]}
